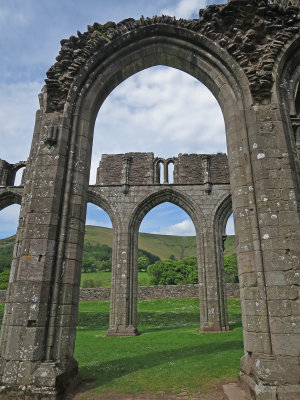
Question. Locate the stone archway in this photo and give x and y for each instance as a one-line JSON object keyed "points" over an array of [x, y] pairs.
{"points": [[221, 215], [129, 326], [234, 50], [9, 197]]}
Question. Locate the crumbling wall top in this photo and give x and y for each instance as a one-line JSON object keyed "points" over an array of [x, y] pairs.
{"points": [[252, 31], [139, 169]]}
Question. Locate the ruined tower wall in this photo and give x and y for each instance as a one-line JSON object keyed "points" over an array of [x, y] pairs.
{"points": [[189, 169], [140, 169]]}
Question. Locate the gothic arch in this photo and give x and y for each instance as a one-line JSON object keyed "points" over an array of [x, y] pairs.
{"points": [[9, 197], [234, 50], [102, 202], [286, 92], [162, 196], [221, 215], [138, 213]]}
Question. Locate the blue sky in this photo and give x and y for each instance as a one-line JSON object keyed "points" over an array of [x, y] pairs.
{"points": [[160, 109]]}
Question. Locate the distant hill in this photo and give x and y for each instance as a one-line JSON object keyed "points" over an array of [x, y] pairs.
{"points": [[160, 245]]}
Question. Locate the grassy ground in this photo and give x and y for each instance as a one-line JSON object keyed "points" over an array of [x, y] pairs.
{"points": [[103, 279], [169, 355]]}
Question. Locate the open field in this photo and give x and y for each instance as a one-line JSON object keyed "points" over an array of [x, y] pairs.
{"points": [[103, 278], [169, 356]]}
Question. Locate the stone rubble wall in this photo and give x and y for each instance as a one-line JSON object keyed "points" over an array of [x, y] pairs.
{"points": [[149, 292], [110, 171], [188, 169], [157, 292]]}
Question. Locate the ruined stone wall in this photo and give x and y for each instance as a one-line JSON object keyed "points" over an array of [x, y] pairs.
{"points": [[149, 292], [155, 292], [201, 168], [112, 169], [191, 169]]}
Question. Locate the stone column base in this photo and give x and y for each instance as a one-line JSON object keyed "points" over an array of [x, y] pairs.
{"points": [[48, 381], [212, 327], [258, 391], [122, 331]]}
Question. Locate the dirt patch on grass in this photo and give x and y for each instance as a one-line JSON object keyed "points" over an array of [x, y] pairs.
{"points": [[82, 393]]}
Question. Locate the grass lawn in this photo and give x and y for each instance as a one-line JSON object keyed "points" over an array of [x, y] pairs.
{"points": [[103, 279], [169, 355]]}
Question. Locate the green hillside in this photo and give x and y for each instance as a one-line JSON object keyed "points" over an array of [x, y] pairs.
{"points": [[9, 241], [160, 245]]}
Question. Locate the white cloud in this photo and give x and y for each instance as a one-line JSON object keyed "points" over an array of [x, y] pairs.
{"points": [[18, 103], [160, 109], [230, 226], [11, 17], [185, 9], [9, 218], [183, 228]]}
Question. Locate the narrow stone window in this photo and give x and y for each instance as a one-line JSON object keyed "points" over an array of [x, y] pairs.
{"points": [[171, 172], [19, 176], [161, 172]]}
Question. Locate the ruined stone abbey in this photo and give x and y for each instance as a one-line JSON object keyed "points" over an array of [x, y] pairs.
{"points": [[248, 54]]}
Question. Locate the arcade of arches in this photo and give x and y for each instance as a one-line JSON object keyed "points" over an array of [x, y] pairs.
{"points": [[248, 54]]}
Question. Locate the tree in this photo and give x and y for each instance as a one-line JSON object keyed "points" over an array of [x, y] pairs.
{"points": [[231, 269], [172, 272], [143, 263]]}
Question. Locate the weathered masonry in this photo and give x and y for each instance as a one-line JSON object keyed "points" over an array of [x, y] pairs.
{"points": [[248, 54], [127, 187]]}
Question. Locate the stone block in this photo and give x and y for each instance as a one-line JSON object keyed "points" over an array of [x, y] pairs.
{"points": [[286, 344]]}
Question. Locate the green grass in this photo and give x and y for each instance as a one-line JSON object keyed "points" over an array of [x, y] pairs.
{"points": [[169, 355], [104, 278]]}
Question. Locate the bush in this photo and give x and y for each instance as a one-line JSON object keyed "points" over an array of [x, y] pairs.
{"points": [[4, 279], [231, 269], [172, 272], [91, 283], [143, 263]]}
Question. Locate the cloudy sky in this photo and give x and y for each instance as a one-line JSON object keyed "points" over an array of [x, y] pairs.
{"points": [[160, 109]]}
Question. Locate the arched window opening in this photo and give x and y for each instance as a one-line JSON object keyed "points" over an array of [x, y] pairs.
{"points": [[9, 217], [160, 110], [97, 250], [171, 172], [166, 233], [230, 259], [19, 177], [161, 172], [167, 257]]}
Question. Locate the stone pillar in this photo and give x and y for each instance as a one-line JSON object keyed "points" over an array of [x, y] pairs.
{"points": [[39, 324], [213, 316], [125, 173], [123, 307], [206, 173], [269, 264], [166, 172]]}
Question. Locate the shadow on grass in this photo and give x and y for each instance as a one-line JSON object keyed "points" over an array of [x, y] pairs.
{"points": [[104, 372], [150, 321]]}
